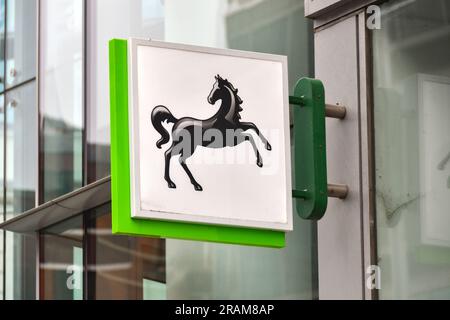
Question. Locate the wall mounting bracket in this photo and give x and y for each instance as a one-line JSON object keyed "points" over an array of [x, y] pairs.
{"points": [[311, 188]]}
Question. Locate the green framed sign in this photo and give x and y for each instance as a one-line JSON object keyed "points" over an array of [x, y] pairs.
{"points": [[122, 220], [308, 191]]}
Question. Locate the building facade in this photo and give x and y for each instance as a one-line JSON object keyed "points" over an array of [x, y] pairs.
{"points": [[387, 62]]}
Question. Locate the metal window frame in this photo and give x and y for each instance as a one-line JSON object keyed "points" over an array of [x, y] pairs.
{"points": [[365, 253], [40, 176], [3, 93]]}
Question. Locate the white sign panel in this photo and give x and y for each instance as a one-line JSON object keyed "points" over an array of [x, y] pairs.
{"points": [[210, 138]]}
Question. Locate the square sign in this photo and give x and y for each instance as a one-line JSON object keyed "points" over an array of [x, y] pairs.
{"points": [[208, 143]]}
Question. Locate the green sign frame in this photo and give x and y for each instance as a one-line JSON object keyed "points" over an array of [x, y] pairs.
{"points": [[122, 222], [310, 156]]}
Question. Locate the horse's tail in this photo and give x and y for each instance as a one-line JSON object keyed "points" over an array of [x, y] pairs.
{"points": [[159, 115]]}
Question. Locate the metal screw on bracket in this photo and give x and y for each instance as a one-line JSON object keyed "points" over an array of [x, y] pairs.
{"points": [[337, 191], [335, 111], [331, 110]]}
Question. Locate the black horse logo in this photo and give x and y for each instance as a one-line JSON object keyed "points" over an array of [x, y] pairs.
{"points": [[225, 123]]}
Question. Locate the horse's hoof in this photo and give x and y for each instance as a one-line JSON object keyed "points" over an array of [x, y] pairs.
{"points": [[198, 187], [260, 164], [172, 185], [269, 147]]}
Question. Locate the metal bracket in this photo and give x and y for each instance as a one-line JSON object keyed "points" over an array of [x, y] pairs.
{"points": [[311, 188]]}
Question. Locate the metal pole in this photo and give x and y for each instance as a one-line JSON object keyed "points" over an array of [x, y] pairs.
{"points": [[335, 111], [337, 191]]}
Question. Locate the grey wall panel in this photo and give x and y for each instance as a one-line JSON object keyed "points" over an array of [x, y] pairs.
{"points": [[340, 238]]}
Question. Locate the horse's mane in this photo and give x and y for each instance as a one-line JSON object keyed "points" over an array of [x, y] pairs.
{"points": [[238, 99]]}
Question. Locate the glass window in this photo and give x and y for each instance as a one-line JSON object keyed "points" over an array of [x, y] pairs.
{"points": [[2, 158], [2, 45], [61, 261], [412, 149], [21, 149], [118, 267], [121, 267], [138, 18], [2, 257], [21, 170], [2, 213], [21, 46], [20, 267], [18, 137], [61, 97]]}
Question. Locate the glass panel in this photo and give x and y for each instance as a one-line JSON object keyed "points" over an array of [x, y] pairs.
{"points": [[138, 18], [123, 267], [61, 266], [21, 173], [22, 149], [2, 45], [61, 97], [2, 160], [412, 147], [2, 215], [21, 44], [20, 267], [2, 257]]}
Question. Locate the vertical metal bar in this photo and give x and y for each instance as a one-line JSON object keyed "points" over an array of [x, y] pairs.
{"points": [[38, 263], [38, 176], [40, 189], [84, 170], [368, 209], [84, 97], [4, 144], [85, 270], [38, 27]]}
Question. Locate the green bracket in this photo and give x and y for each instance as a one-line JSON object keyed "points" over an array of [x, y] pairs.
{"points": [[310, 162]]}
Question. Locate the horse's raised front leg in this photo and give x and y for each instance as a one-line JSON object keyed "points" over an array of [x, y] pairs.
{"points": [[168, 156], [196, 185], [250, 139], [251, 126]]}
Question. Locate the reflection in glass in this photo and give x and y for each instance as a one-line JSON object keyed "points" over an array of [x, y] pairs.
{"points": [[138, 18], [2, 257], [21, 42], [21, 176], [61, 261], [21, 149], [61, 97], [2, 45], [412, 144], [2, 235], [20, 268], [123, 267], [2, 160]]}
